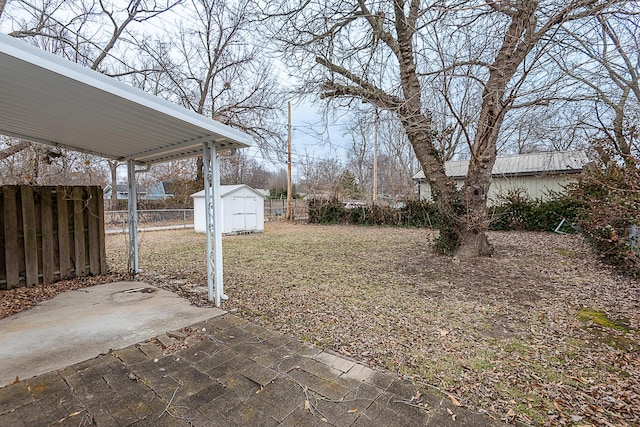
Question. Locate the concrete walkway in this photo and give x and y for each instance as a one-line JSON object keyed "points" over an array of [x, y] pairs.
{"points": [[222, 371], [81, 324]]}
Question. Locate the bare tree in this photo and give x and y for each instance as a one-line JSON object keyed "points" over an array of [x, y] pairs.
{"points": [[605, 62], [320, 177], [373, 52], [209, 67], [43, 165], [244, 170], [87, 32]]}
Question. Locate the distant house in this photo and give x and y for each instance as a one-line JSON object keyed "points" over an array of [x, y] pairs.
{"points": [[153, 192], [122, 192], [242, 209], [536, 173]]}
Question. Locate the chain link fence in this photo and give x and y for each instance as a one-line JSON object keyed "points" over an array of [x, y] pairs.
{"points": [[156, 219]]}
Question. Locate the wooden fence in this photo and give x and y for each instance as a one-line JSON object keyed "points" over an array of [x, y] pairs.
{"points": [[50, 233], [277, 209]]}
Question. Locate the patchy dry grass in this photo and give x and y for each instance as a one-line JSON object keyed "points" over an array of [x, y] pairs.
{"points": [[538, 334]]}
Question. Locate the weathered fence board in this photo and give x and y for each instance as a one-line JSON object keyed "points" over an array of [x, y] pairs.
{"points": [[50, 233], [64, 251], [94, 230], [10, 213], [78, 232], [103, 253], [30, 235], [48, 258]]}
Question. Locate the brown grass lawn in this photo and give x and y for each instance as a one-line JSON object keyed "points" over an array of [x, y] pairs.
{"points": [[538, 334]]}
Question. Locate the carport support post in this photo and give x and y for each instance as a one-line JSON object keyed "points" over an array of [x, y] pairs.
{"points": [[208, 215], [213, 221], [133, 217], [217, 227]]}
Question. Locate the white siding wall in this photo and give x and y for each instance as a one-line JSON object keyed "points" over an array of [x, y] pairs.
{"points": [[537, 187]]}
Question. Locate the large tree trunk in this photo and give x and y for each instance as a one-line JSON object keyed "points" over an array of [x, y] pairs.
{"points": [[517, 43], [443, 189], [418, 127]]}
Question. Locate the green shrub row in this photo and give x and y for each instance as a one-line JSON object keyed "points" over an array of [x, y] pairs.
{"points": [[413, 214], [516, 213]]}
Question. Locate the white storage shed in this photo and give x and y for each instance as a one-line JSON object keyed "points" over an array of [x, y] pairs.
{"points": [[242, 210]]}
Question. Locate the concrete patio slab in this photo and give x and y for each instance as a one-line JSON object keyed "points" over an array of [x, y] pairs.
{"points": [[82, 324]]}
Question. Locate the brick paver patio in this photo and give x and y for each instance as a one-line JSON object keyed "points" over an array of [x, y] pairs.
{"points": [[225, 372]]}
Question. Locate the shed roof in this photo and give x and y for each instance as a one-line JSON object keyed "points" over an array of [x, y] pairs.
{"points": [[228, 189], [48, 99], [550, 162]]}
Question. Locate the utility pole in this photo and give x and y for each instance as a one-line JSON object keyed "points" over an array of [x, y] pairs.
{"points": [[289, 216], [374, 196]]}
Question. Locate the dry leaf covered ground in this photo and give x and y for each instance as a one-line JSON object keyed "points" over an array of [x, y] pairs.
{"points": [[538, 334]]}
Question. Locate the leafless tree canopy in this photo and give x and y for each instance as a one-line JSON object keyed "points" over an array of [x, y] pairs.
{"points": [[206, 62], [479, 59], [446, 78]]}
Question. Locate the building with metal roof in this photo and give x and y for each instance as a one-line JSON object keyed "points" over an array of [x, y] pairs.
{"points": [[538, 174]]}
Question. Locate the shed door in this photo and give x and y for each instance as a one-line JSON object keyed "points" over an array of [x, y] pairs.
{"points": [[251, 212], [245, 213]]}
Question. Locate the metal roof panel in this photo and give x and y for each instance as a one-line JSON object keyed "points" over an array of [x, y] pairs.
{"points": [[524, 164], [45, 98]]}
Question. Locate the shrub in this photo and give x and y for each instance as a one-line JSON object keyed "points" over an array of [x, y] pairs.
{"points": [[414, 213], [520, 212], [517, 211], [323, 211], [610, 213]]}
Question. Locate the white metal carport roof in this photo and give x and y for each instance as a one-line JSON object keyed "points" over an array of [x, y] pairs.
{"points": [[47, 99]]}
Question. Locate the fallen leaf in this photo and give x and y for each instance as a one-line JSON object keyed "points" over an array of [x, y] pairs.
{"points": [[443, 332], [449, 411], [510, 413], [352, 410], [307, 405], [454, 400], [344, 351], [555, 404], [324, 420], [417, 396]]}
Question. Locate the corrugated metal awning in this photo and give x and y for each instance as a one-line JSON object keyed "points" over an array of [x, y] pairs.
{"points": [[45, 98]]}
